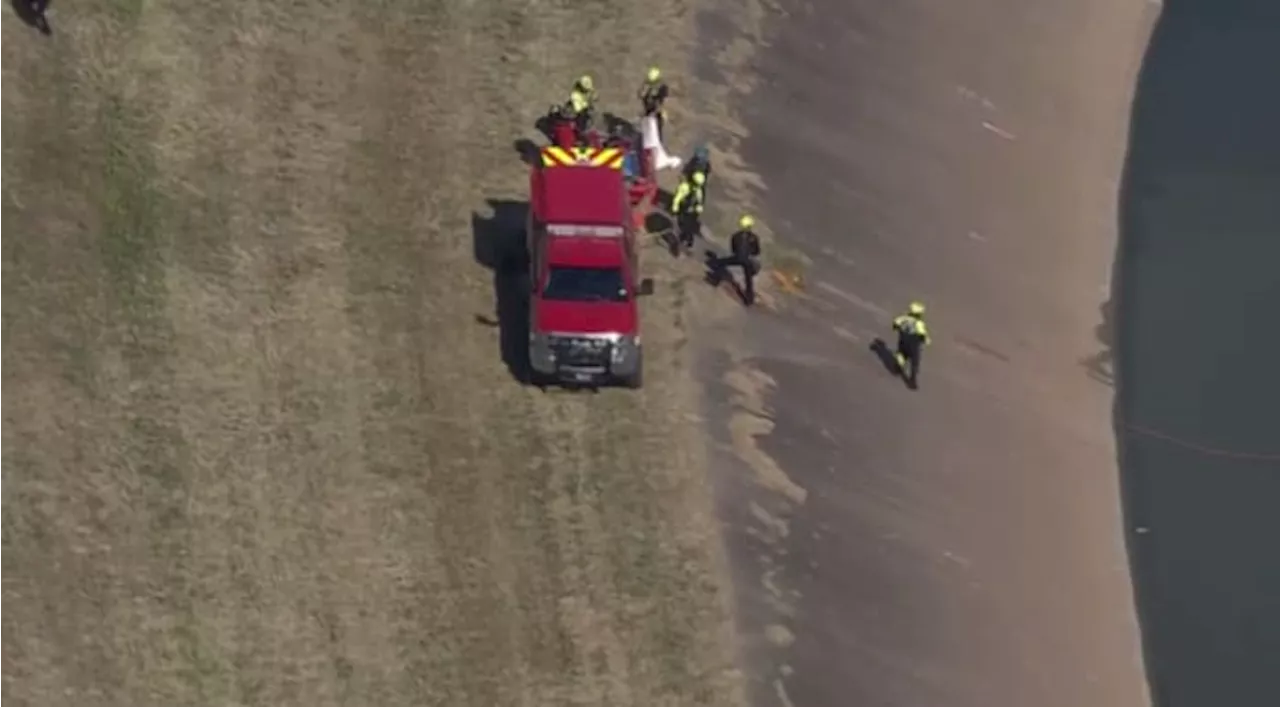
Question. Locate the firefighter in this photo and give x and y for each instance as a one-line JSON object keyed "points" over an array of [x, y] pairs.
{"points": [[913, 336], [687, 207], [653, 97], [700, 162], [744, 251], [744, 245], [581, 105]]}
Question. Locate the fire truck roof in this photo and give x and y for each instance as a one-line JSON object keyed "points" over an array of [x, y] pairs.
{"points": [[584, 192]]}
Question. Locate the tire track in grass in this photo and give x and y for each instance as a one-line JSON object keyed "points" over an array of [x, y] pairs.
{"points": [[119, 245], [213, 152], [319, 650], [200, 146], [407, 238], [662, 552], [671, 430], [303, 617], [210, 381], [588, 606], [55, 457], [167, 655]]}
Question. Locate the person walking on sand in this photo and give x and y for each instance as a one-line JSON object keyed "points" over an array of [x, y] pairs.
{"points": [[913, 337]]}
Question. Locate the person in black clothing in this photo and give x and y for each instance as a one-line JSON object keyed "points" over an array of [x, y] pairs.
{"points": [[653, 97], [700, 163], [744, 251]]}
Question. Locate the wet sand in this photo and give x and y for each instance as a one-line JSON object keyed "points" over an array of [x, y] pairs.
{"points": [[961, 544]]}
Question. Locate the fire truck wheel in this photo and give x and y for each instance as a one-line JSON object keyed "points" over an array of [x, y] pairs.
{"points": [[636, 380], [539, 380]]}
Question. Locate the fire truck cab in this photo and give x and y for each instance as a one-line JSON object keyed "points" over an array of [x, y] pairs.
{"points": [[584, 270]]}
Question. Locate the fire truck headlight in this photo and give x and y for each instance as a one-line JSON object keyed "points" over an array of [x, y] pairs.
{"points": [[541, 357], [625, 350]]}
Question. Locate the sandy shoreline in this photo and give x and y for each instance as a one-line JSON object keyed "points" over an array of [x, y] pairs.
{"points": [[961, 545]]}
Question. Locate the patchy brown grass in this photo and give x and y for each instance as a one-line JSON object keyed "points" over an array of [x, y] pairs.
{"points": [[257, 450]]}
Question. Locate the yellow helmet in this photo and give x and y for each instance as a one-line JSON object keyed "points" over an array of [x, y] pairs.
{"points": [[916, 309], [746, 222], [699, 178], [654, 74], [586, 83]]}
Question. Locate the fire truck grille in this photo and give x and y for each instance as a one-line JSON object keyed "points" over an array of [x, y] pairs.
{"points": [[583, 352]]}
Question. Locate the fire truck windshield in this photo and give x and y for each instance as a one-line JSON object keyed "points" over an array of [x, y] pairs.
{"points": [[572, 284]]}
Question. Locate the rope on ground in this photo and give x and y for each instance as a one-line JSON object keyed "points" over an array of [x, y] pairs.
{"points": [[1198, 448]]}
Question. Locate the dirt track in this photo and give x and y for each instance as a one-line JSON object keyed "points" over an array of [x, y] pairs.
{"points": [[259, 445]]}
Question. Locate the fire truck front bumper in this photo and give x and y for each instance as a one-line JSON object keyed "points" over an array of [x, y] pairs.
{"points": [[584, 359]]}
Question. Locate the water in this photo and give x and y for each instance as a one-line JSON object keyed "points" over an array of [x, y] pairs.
{"points": [[1199, 353]]}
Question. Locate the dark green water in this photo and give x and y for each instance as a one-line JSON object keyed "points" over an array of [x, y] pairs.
{"points": [[1198, 353]]}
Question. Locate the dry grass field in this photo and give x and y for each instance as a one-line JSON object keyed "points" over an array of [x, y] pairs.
{"points": [[259, 446]]}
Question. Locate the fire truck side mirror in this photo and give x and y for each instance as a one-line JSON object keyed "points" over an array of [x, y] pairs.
{"points": [[646, 287]]}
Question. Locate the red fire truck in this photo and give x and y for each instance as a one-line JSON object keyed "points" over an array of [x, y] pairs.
{"points": [[587, 206]]}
